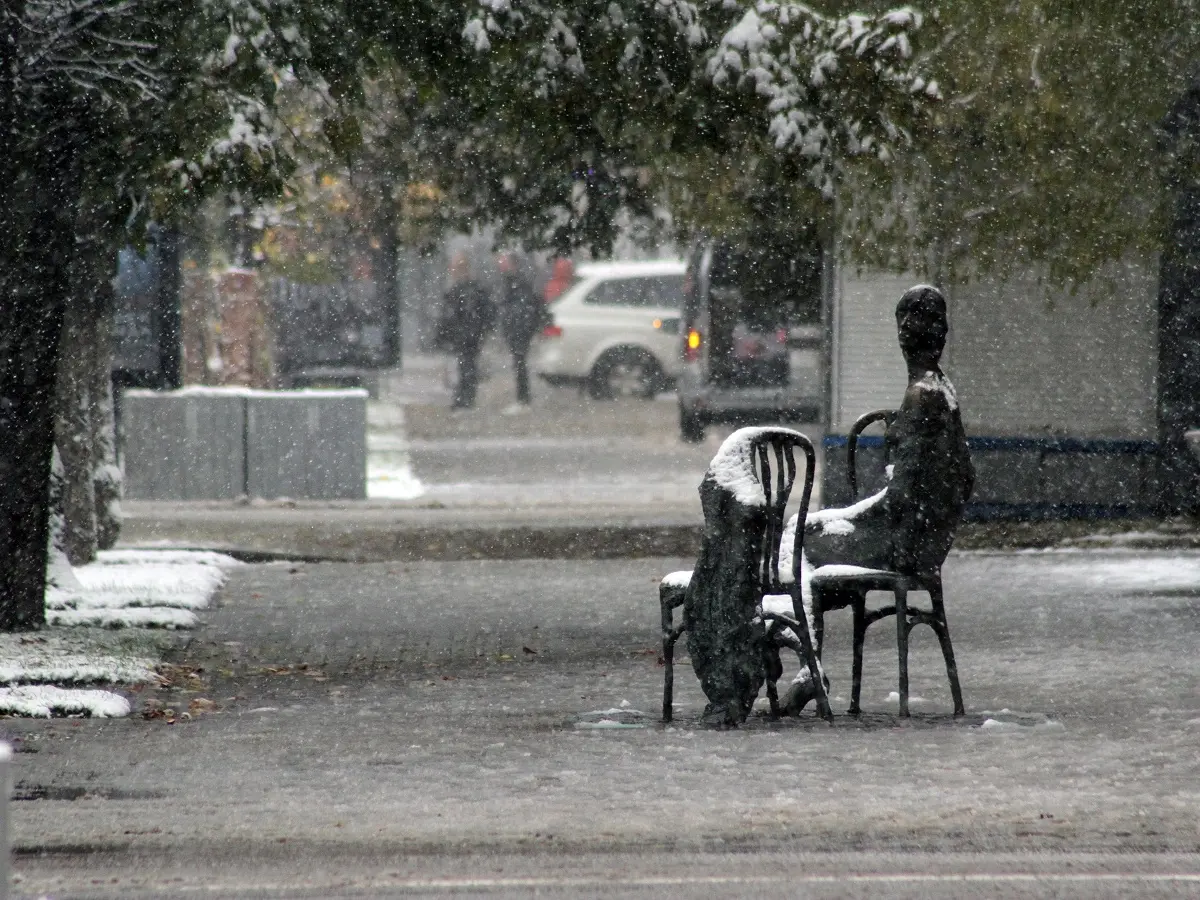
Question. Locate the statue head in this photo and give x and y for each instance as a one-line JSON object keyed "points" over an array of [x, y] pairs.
{"points": [[922, 325]]}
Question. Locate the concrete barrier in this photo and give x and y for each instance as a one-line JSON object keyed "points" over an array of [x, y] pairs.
{"points": [[223, 443], [184, 445], [307, 444]]}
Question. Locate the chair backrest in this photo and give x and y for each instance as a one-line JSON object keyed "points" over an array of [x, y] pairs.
{"points": [[772, 452], [860, 425]]}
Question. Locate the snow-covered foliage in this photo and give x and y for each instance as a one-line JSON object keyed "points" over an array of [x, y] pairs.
{"points": [[642, 82], [179, 96], [832, 85], [549, 34]]}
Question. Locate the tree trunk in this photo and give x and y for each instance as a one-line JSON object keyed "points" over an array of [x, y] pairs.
{"points": [[33, 275], [386, 279], [107, 478], [38, 191], [73, 415]]}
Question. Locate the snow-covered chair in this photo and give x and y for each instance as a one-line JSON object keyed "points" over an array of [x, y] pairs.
{"points": [[853, 583], [746, 488]]}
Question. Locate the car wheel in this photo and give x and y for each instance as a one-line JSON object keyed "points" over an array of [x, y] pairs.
{"points": [[691, 427], [625, 373]]}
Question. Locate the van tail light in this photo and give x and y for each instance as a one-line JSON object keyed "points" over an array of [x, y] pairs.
{"points": [[781, 335], [552, 331], [691, 347]]}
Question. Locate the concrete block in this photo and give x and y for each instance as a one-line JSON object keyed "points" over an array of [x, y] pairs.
{"points": [[307, 444], [184, 445]]}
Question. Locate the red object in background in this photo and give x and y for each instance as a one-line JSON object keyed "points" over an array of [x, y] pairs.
{"points": [[561, 273]]}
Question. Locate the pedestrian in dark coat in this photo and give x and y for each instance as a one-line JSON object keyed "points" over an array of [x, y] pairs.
{"points": [[521, 316], [468, 314]]}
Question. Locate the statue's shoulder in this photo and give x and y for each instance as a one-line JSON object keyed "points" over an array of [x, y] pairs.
{"points": [[932, 392]]}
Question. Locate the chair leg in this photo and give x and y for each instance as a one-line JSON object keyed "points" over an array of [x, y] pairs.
{"points": [[773, 697], [668, 677], [943, 633], [860, 634], [814, 670], [818, 622], [666, 610], [902, 646]]}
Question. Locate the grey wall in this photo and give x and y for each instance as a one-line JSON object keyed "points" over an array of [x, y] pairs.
{"points": [[868, 370], [1025, 360], [1028, 361], [1057, 388]]}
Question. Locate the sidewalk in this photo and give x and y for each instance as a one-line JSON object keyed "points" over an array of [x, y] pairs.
{"points": [[370, 726]]}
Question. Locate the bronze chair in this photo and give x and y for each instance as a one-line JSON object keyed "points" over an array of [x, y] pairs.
{"points": [[855, 583], [773, 454]]}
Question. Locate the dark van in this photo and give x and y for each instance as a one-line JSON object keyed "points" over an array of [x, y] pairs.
{"points": [[754, 337]]}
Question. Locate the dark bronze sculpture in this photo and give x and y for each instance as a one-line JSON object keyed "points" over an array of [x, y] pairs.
{"points": [[909, 526], [905, 528]]}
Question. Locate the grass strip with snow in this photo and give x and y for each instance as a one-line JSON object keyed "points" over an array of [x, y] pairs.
{"points": [[120, 610], [138, 589]]}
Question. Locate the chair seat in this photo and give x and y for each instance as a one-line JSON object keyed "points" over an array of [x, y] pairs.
{"points": [[831, 572]]}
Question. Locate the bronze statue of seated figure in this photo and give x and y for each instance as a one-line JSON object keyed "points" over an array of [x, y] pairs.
{"points": [[908, 527], [753, 574]]}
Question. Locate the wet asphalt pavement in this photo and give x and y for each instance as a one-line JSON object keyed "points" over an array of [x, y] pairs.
{"points": [[431, 728]]}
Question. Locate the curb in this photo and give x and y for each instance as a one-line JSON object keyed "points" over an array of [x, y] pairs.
{"points": [[445, 544], [251, 541]]}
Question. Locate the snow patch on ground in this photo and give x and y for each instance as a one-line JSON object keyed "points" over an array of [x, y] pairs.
{"points": [[389, 467], [131, 585], [392, 482], [43, 701], [614, 718], [1006, 721], [130, 590]]}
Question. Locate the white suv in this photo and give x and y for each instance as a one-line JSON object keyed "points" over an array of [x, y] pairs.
{"points": [[615, 330]]}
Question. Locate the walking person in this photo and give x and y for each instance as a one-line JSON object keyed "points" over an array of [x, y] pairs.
{"points": [[468, 314], [521, 316]]}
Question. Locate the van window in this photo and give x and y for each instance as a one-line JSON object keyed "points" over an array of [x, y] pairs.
{"points": [[653, 291]]}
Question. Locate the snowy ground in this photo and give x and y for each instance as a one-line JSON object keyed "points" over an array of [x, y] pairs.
{"points": [[389, 468], [108, 624]]}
